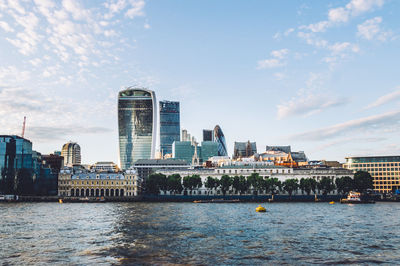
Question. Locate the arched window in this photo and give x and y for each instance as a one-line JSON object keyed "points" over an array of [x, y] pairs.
{"points": [[117, 192], [92, 192], [72, 192], [97, 192], [107, 192], [87, 192], [122, 192], [102, 192], [82, 192], [77, 192], [112, 192]]}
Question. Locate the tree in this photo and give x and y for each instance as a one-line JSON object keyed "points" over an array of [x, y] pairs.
{"points": [[326, 185], [226, 182], [236, 183], [313, 185], [303, 185], [155, 183], [192, 182], [174, 183], [273, 185], [252, 181], [210, 183], [243, 184], [290, 185], [344, 184], [363, 181]]}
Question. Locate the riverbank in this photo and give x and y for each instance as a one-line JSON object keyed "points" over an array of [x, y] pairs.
{"points": [[186, 198]]}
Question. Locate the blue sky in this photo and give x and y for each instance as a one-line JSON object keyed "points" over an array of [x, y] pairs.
{"points": [[322, 76]]}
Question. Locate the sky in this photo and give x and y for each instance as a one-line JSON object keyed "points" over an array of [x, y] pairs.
{"points": [[321, 76]]}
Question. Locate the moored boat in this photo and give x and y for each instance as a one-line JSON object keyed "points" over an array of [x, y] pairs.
{"points": [[217, 201], [355, 198]]}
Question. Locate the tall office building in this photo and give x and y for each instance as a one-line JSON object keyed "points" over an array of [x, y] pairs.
{"points": [[137, 125], [220, 139], [383, 169], [169, 125], [207, 135], [71, 152]]}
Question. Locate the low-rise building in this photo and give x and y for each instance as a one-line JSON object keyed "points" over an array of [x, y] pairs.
{"points": [[104, 167], [82, 183], [267, 171]]}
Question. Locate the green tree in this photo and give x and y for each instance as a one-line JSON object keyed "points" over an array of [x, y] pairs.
{"points": [[252, 180], [303, 185], [344, 184], [243, 184], [210, 183], [174, 183], [290, 185], [326, 185], [226, 182], [363, 181], [155, 183], [192, 182], [273, 185], [236, 184], [313, 185]]}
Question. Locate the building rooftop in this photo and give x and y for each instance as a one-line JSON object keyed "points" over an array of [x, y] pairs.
{"points": [[150, 162], [98, 176]]}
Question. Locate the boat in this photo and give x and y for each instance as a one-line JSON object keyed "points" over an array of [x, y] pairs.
{"points": [[355, 198], [331, 202], [260, 209], [60, 200], [217, 201]]}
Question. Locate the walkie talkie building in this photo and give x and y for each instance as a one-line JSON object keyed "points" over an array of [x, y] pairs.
{"points": [[137, 125]]}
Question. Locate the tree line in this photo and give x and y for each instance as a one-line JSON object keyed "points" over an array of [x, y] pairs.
{"points": [[175, 184]]}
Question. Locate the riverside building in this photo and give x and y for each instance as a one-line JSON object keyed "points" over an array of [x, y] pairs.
{"points": [[261, 168], [81, 183], [137, 125], [169, 126], [383, 169], [244, 149]]}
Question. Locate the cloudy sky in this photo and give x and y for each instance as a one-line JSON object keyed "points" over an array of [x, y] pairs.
{"points": [[322, 76]]}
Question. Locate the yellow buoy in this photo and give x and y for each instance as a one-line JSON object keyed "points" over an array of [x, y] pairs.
{"points": [[332, 202], [60, 200], [260, 209]]}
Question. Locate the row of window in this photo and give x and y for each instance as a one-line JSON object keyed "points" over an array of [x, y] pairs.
{"points": [[252, 171], [373, 164]]}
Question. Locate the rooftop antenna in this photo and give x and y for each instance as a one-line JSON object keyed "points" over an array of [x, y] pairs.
{"points": [[23, 127]]}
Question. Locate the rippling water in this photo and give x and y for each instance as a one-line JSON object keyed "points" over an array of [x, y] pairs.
{"points": [[188, 233]]}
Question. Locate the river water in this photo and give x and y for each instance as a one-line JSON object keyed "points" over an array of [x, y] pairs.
{"points": [[188, 233]]}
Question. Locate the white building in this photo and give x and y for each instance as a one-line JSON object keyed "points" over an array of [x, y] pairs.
{"points": [[267, 171]]}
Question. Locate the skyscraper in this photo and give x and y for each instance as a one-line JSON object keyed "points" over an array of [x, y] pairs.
{"points": [[137, 120], [71, 152], [169, 125], [207, 135], [220, 139]]}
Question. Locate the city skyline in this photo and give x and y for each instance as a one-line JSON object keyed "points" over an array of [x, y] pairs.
{"points": [[319, 76]]}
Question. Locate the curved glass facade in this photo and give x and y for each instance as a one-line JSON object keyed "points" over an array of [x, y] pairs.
{"points": [[220, 139], [169, 125], [137, 122]]}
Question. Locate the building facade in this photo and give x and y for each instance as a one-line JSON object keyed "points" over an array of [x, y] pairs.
{"points": [[183, 150], [169, 126], [267, 171], [80, 183], [383, 169], [207, 135], [104, 167], [220, 139], [137, 125], [208, 149], [71, 152], [244, 149]]}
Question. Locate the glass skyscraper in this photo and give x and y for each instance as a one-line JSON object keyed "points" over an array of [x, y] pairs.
{"points": [[169, 125], [137, 120], [220, 139]]}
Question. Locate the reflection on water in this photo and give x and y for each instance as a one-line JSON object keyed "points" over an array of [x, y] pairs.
{"points": [[187, 233]]}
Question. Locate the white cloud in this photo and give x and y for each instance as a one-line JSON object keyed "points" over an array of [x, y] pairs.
{"points": [[11, 76], [339, 14], [370, 30], [309, 104], [385, 99], [371, 123], [275, 61], [279, 75], [147, 26], [357, 7], [136, 10], [4, 25], [317, 27]]}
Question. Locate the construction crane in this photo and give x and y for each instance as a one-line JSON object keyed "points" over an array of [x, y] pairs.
{"points": [[23, 127]]}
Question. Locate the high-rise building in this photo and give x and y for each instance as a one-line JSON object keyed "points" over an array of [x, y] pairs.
{"points": [[183, 150], [207, 135], [383, 169], [137, 125], [169, 125], [184, 135], [220, 139], [71, 152], [208, 149], [244, 149]]}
